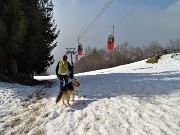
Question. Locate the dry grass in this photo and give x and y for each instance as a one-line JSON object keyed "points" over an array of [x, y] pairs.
{"points": [[152, 60]]}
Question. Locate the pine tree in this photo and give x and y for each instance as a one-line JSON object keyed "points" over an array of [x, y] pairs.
{"points": [[27, 34], [41, 35], [12, 27]]}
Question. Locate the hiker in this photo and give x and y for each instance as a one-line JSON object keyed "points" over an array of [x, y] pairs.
{"points": [[157, 56], [64, 70]]}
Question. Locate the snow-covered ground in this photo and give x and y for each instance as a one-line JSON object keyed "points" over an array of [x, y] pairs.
{"points": [[133, 99]]}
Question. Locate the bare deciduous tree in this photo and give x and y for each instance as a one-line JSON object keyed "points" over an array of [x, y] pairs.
{"points": [[95, 59]]}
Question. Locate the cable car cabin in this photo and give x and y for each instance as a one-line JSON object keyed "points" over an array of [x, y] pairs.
{"points": [[76, 58], [80, 49], [110, 42]]}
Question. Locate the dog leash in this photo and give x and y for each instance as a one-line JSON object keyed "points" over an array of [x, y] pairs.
{"points": [[64, 83]]}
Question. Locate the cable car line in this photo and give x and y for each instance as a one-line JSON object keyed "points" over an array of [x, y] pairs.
{"points": [[122, 18], [110, 41], [133, 10], [80, 47], [95, 19]]}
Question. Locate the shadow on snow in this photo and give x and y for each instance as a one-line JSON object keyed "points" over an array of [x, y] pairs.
{"points": [[135, 84], [142, 85]]}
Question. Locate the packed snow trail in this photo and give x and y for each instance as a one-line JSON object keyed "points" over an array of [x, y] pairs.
{"points": [[22, 105], [137, 99]]}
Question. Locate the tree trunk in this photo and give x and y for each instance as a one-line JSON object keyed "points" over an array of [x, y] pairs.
{"points": [[13, 65]]}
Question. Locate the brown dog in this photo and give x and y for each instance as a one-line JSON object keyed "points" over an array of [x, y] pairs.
{"points": [[68, 90]]}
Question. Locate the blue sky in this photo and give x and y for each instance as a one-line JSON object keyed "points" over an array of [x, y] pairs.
{"points": [[156, 20]]}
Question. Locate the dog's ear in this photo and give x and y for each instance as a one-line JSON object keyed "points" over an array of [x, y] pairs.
{"points": [[73, 81]]}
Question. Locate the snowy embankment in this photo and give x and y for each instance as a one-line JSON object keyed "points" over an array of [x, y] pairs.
{"points": [[137, 99]]}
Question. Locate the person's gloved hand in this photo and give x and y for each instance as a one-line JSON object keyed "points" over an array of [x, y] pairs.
{"points": [[58, 76]]}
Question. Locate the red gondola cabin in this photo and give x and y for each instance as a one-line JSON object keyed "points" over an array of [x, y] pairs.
{"points": [[76, 58], [110, 42], [80, 49]]}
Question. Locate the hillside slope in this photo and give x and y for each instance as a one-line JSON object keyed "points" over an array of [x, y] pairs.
{"points": [[137, 99]]}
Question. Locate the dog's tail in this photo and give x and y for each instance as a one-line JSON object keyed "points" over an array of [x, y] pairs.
{"points": [[59, 97]]}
